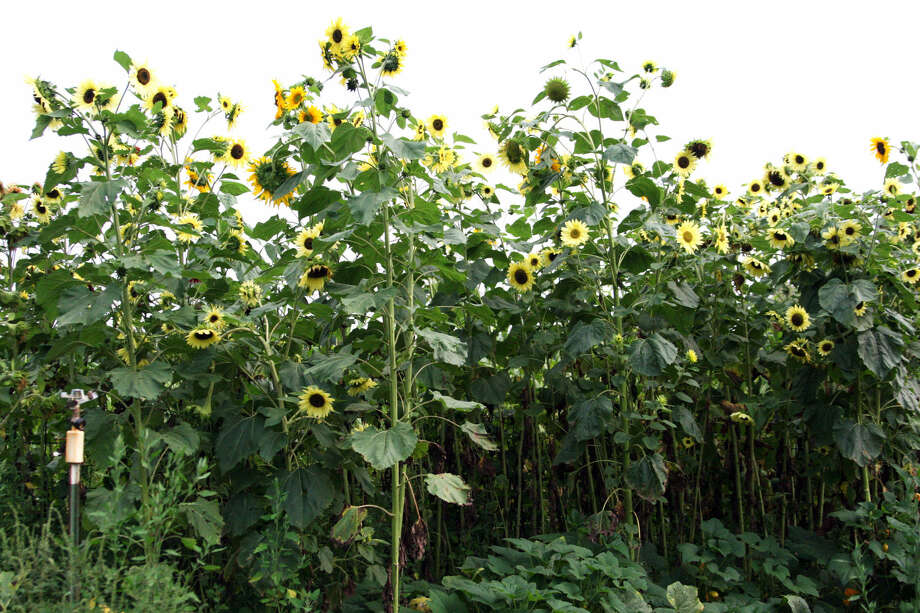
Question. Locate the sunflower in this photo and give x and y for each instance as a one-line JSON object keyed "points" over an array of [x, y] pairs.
{"points": [[649, 66], [849, 232], [161, 95], [316, 403], [351, 47], [334, 116], [315, 277], [755, 267], [684, 163], [295, 97], [740, 417], [691, 356], [799, 350], [436, 125], [775, 178], [672, 219], [446, 158], [831, 237], [487, 191], [337, 33], [179, 122], [279, 99], [198, 181], [202, 337], [700, 149], [311, 114], [797, 318], [189, 219], [825, 347], [421, 604], [237, 154], [141, 78], [236, 242], [42, 211], [797, 161], [721, 241], [214, 318], [556, 89], [520, 276], [485, 163], [16, 210], [687, 442], [361, 384], [911, 275], [860, 309], [53, 196], [720, 191], [392, 64], [780, 239], [548, 256], [574, 233], [250, 294], [534, 260], [910, 205], [689, 236], [225, 103], [233, 114], [267, 176], [61, 163], [828, 188], [880, 147], [892, 186], [304, 242], [85, 95], [514, 156], [819, 166], [420, 132], [755, 187]]}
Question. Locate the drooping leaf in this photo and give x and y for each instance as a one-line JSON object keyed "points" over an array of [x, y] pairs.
{"points": [[688, 423], [620, 153], [448, 487], [348, 525], [453, 403], [491, 390], [878, 349], [447, 348], [204, 516], [79, 306], [331, 367], [404, 148], [589, 417], [684, 294], [182, 439], [479, 435], [797, 604], [314, 134], [861, 443], [145, 382], [384, 448], [364, 206], [238, 440], [648, 477], [308, 491], [651, 356], [585, 336]]}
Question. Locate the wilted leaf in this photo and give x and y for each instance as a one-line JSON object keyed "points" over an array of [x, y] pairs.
{"points": [[448, 487]]}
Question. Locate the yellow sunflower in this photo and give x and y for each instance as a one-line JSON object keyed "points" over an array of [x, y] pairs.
{"points": [[237, 154], [819, 166], [574, 233], [337, 33], [911, 275], [400, 47], [831, 237], [797, 318], [780, 238], [799, 350], [236, 242], [41, 209], [892, 186], [267, 176], [755, 188], [880, 148], [161, 95], [720, 191], [689, 236], [189, 219], [391, 64], [420, 132], [85, 95], [436, 125], [520, 276], [755, 267], [860, 309], [304, 242], [514, 156], [797, 161], [775, 178], [487, 191], [721, 239], [485, 163], [684, 163], [315, 277], [202, 337], [250, 294], [295, 97], [359, 385], [316, 403], [825, 347], [214, 318], [548, 256], [279, 99], [141, 77], [849, 232], [311, 114], [828, 188], [534, 260]]}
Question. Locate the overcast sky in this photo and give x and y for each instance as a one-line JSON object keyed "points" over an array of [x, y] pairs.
{"points": [[757, 78]]}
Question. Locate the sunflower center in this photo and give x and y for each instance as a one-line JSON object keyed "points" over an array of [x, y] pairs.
{"points": [[317, 272], [912, 273], [204, 335], [849, 231], [143, 76], [89, 95], [688, 236], [513, 152], [797, 319], [317, 400], [41, 208], [337, 36], [776, 178], [486, 162], [826, 347], [214, 319], [161, 98], [236, 152], [799, 159], [820, 165], [797, 351], [438, 125], [54, 193], [520, 276], [575, 233], [683, 161], [880, 147], [308, 243]]}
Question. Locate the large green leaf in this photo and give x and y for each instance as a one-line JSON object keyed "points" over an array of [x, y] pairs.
{"points": [[861, 443], [491, 390], [684, 294], [182, 439], [453, 403], [314, 134], [878, 349], [384, 448], [145, 383], [589, 417], [479, 435], [447, 348], [307, 492], [364, 206], [797, 604], [238, 440], [620, 153], [448, 487], [840, 299], [204, 516], [403, 148], [98, 197], [651, 356], [684, 598], [648, 477], [348, 525], [585, 336], [79, 306], [331, 367]]}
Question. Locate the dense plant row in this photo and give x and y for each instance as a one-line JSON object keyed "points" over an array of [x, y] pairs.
{"points": [[409, 363]]}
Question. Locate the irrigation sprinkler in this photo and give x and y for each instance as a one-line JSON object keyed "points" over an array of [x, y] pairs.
{"points": [[73, 455]]}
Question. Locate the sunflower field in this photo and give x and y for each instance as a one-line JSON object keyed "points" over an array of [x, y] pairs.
{"points": [[557, 371]]}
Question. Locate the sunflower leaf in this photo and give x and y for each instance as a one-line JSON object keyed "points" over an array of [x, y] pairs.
{"points": [[645, 187], [404, 148], [479, 435], [79, 306], [447, 348], [308, 491], [348, 525], [233, 188], [98, 197], [589, 417], [620, 153], [684, 294], [145, 383], [878, 350], [364, 206], [384, 448], [585, 336], [684, 598], [123, 59], [861, 443], [453, 403], [651, 356], [314, 134], [330, 368], [237, 441], [648, 477], [448, 487], [204, 516]]}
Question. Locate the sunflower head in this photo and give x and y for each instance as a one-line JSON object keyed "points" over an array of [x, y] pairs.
{"points": [[437, 126], [667, 77], [514, 156], [201, 338], [315, 277], [798, 349], [881, 149], [315, 402], [797, 318], [684, 163], [267, 176], [534, 260], [699, 148], [911, 275], [689, 236], [825, 347], [520, 276], [250, 294], [556, 89], [574, 233]]}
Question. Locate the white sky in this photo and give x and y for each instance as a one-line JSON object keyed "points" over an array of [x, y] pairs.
{"points": [[757, 78]]}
